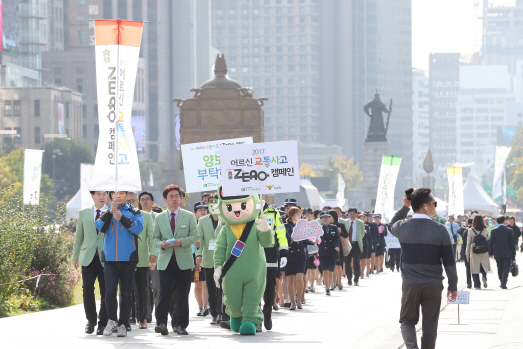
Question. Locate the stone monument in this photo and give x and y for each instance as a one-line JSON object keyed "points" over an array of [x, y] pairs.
{"points": [[428, 165], [375, 146]]}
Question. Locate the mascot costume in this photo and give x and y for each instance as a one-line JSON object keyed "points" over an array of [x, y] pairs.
{"points": [[239, 258]]}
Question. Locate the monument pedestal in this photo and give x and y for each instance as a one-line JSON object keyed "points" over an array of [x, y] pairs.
{"points": [[372, 155]]}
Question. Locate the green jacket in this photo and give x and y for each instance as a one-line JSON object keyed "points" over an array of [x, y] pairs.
{"points": [[186, 230], [146, 246], [207, 233], [86, 239], [360, 230]]}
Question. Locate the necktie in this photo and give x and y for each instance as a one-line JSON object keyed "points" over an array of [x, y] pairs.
{"points": [[350, 232], [97, 231], [173, 222]]}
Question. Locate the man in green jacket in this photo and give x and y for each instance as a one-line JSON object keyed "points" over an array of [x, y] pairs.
{"points": [[208, 230], [88, 244], [356, 229], [175, 230]]}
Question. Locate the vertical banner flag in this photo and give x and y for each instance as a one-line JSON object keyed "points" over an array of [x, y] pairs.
{"points": [[60, 118], [86, 174], [32, 176], [390, 167], [340, 195], [499, 168], [117, 46], [260, 168], [456, 202], [202, 164]]}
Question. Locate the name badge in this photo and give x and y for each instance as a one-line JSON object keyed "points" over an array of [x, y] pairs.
{"points": [[212, 245], [184, 226], [238, 248]]}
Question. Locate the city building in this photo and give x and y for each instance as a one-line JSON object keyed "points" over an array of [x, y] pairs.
{"points": [[39, 111], [420, 124], [483, 94], [444, 73]]}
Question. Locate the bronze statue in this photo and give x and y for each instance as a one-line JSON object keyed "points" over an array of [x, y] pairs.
{"points": [[377, 131]]}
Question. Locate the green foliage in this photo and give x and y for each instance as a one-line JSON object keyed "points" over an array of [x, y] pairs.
{"points": [[515, 165], [30, 245], [12, 175], [349, 171], [66, 166]]}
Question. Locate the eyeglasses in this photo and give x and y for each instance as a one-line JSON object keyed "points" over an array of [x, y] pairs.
{"points": [[145, 199]]}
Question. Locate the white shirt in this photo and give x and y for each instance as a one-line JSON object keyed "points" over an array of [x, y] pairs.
{"points": [[420, 216], [354, 230], [101, 210], [175, 215]]}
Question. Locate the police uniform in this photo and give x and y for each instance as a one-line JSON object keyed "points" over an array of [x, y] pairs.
{"points": [[329, 241], [367, 241], [297, 257]]}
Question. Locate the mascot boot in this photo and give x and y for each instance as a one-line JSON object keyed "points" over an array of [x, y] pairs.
{"points": [[243, 280]]}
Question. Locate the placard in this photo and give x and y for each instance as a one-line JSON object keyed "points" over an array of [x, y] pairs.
{"points": [[32, 176], [462, 298], [202, 164], [305, 230], [391, 241], [260, 168]]}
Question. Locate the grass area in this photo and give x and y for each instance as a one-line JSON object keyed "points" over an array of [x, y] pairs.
{"points": [[78, 293]]}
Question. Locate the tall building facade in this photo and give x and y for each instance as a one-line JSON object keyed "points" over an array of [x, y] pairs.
{"points": [[420, 124], [443, 95]]}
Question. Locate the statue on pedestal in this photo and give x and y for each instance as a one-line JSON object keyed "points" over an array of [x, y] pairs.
{"points": [[374, 109]]}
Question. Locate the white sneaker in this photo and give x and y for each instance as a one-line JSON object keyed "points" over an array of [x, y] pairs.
{"points": [[122, 332], [110, 328]]}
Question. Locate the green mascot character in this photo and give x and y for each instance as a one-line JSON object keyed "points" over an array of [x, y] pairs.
{"points": [[239, 258]]}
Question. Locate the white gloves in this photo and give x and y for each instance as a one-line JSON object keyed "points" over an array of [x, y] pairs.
{"points": [[283, 262], [263, 226], [217, 276]]}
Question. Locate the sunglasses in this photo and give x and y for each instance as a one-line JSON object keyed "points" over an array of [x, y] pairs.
{"points": [[433, 202]]}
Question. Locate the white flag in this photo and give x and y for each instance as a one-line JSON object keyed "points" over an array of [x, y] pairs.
{"points": [[340, 196], [151, 179], [390, 167], [456, 205], [32, 176], [499, 167], [86, 174], [117, 47]]}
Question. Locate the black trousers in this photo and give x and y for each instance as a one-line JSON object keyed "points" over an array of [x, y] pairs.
{"points": [[467, 266], [123, 273], [395, 258], [270, 292], [475, 277], [212, 291], [503, 269], [170, 278], [89, 275], [353, 256], [141, 279]]}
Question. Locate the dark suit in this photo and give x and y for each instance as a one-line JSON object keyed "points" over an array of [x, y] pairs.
{"points": [[503, 248]]}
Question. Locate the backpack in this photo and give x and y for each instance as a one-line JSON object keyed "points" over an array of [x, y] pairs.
{"points": [[479, 243]]}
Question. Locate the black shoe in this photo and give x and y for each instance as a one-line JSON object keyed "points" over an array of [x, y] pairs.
{"points": [[132, 321], [205, 312], [89, 328], [292, 308], [469, 286], [287, 305], [333, 287], [275, 307], [128, 327], [477, 288], [306, 290], [149, 320], [303, 302], [356, 283], [392, 269], [328, 292], [258, 328], [200, 312], [503, 287], [100, 330], [300, 307], [182, 331], [214, 321], [161, 328], [340, 288], [350, 282], [267, 319], [225, 324]]}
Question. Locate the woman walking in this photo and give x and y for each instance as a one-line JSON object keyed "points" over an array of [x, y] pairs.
{"points": [[367, 242], [330, 242], [342, 230], [477, 251]]}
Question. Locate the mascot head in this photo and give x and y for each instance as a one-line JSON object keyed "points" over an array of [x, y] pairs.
{"points": [[238, 209]]}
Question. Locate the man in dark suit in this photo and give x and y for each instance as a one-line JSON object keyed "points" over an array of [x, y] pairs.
{"points": [[503, 248]]}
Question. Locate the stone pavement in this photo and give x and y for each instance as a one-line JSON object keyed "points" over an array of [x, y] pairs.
{"points": [[357, 317]]}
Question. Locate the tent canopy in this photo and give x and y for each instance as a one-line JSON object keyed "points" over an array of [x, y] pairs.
{"points": [[73, 206], [477, 199]]}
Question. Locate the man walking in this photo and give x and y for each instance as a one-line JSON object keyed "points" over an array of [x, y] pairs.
{"points": [[356, 229], [453, 228], [503, 248], [88, 244], [426, 249]]}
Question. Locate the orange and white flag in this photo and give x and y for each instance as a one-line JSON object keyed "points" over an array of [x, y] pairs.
{"points": [[117, 48]]}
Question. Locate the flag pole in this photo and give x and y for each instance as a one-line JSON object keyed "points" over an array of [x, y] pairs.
{"points": [[117, 119]]}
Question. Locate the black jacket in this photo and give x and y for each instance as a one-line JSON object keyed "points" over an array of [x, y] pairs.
{"points": [[502, 243], [517, 233], [329, 240], [297, 250]]}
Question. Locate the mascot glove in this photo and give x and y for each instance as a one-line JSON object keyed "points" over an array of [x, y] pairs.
{"points": [[217, 276], [263, 226], [283, 262]]}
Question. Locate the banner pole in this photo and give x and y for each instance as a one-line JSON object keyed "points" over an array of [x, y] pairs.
{"points": [[117, 120]]}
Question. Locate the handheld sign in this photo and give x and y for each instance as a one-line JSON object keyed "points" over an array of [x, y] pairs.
{"points": [[462, 298], [260, 168], [306, 230]]}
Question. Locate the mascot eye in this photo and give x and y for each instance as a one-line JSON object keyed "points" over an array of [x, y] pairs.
{"points": [[229, 208], [244, 205]]}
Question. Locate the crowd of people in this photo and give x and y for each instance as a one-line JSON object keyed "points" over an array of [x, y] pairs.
{"points": [[154, 255]]}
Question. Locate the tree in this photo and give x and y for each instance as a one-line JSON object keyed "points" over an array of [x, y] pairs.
{"points": [[306, 170], [12, 175], [349, 171], [514, 165], [65, 167]]}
